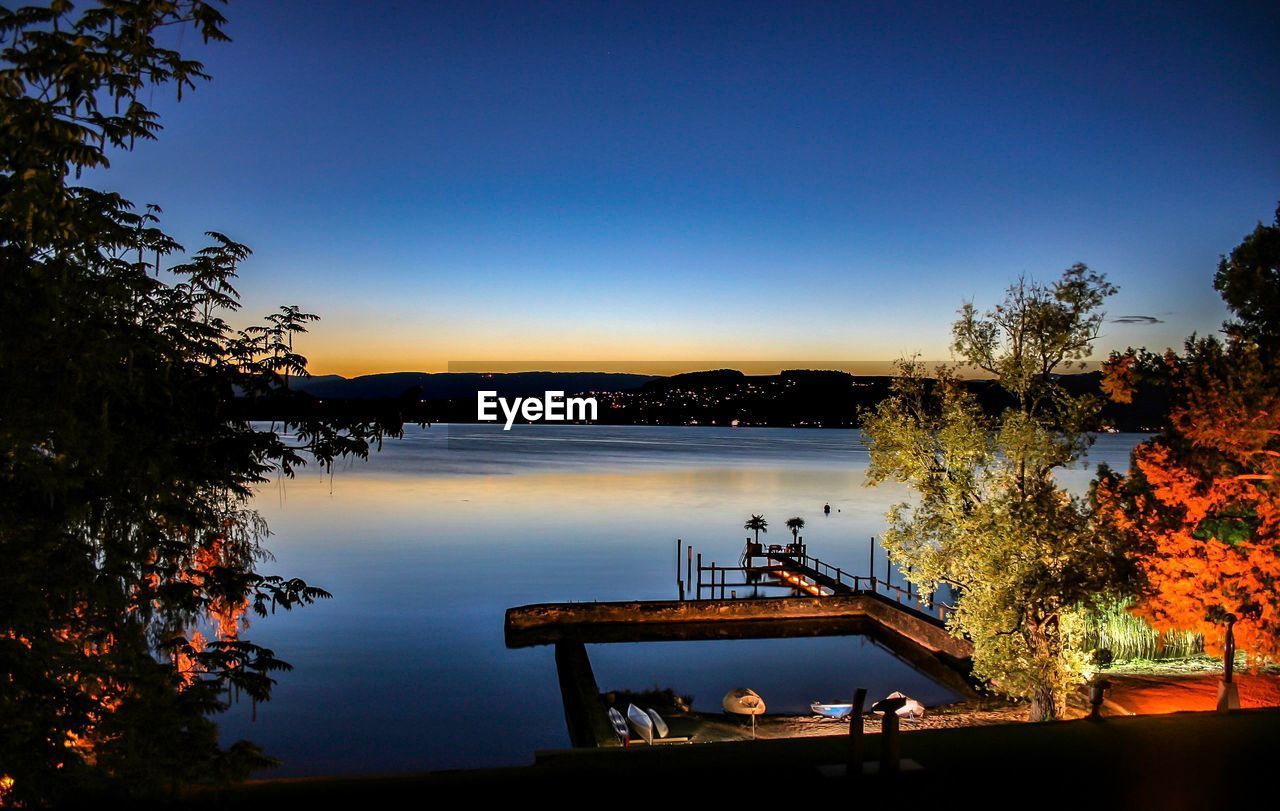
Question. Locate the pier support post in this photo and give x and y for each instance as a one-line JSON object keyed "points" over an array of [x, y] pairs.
{"points": [[584, 712]]}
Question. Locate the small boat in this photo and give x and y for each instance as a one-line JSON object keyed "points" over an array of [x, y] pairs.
{"points": [[911, 709], [619, 726], [659, 726], [832, 710], [641, 723], [743, 701]]}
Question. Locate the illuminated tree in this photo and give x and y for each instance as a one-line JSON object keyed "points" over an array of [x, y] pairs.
{"points": [[1023, 554], [126, 456], [1202, 502]]}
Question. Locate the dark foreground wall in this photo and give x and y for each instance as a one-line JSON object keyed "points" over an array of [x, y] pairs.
{"points": [[1184, 760]]}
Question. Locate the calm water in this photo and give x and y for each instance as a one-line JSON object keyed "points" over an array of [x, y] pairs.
{"points": [[428, 543]]}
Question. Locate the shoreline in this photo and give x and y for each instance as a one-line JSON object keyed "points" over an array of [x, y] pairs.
{"points": [[1136, 689]]}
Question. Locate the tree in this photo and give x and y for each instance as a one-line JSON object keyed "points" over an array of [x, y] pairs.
{"points": [[795, 525], [1023, 554], [757, 524], [1249, 281], [1202, 501], [131, 553]]}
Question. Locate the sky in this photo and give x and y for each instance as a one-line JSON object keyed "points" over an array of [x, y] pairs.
{"points": [[449, 182]]}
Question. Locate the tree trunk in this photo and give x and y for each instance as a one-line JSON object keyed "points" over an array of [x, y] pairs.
{"points": [[1044, 704], [1047, 703]]}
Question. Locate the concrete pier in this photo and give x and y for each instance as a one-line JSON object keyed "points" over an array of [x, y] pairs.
{"points": [[918, 638]]}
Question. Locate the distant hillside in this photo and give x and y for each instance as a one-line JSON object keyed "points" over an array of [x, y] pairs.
{"points": [[809, 398], [458, 385], [714, 378]]}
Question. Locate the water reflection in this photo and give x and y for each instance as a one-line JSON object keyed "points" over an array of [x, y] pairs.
{"points": [[427, 544]]}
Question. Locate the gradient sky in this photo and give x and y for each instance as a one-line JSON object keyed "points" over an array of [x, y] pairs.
{"points": [[465, 181]]}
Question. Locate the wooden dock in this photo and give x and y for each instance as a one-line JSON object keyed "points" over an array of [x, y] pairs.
{"points": [[827, 601], [918, 639]]}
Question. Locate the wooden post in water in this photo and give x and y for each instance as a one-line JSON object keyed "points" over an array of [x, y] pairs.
{"points": [[679, 582], [699, 597], [688, 577], [888, 570], [871, 565]]}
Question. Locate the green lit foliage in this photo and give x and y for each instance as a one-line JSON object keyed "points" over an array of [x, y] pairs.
{"points": [[1112, 626], [1024, 556], [125, 466]]}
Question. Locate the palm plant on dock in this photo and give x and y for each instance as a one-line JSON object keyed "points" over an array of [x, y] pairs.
{"points": [[757, 524], [795, 525]]}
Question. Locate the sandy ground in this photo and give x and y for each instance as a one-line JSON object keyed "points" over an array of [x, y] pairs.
{"points": [[702, 728], [1132, 692], [1146, 694]]}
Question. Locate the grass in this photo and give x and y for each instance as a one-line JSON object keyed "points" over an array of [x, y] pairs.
{"points": [[1129, 637], [1189, 666]]}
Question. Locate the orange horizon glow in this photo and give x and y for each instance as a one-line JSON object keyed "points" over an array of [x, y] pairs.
{"points": [[642, 367]]}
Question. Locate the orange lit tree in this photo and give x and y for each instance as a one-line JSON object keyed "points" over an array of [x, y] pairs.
{"points": [[1202, 503], [127, 458]]}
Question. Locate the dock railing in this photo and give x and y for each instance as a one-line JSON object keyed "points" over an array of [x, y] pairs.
{"points": [[790, 566], [871, 584]]}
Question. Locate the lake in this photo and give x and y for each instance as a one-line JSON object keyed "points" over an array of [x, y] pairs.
{"points": [[425, 545]]}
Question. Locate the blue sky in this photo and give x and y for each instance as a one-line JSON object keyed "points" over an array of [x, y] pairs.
{"points": [[463, 181]]}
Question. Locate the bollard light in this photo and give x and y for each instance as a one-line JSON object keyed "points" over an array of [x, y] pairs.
{"points": [[1097, 693]]}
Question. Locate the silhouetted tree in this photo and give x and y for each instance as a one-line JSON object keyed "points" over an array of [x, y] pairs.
{"points": [[130, 552], [1249, 281], [757, 524], [795, 525]]}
